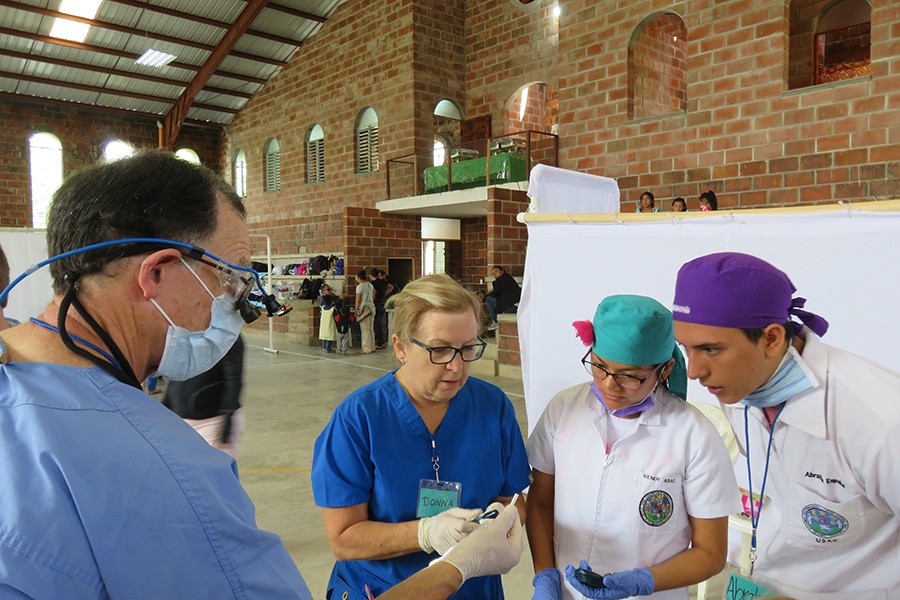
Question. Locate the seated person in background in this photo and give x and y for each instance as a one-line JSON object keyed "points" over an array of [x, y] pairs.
{"points": [[407, 461], [708, 201], [504, 296], [647, 203], [679, 205], [627, 476]]}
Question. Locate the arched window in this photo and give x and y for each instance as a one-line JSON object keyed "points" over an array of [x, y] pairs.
{"points": [[367, 141], [447, 108], [315, 154], [240, 173], [842, 43], [188, 155], [273, 166], [440, 152], [657, 67], [829, 41], [117, 149], [45, 158]]}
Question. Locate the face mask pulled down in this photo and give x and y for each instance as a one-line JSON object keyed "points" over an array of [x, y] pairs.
{"points": [[188, 354]]}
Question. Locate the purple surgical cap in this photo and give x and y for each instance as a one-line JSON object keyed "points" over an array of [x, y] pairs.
{"points": [[730, 289]]}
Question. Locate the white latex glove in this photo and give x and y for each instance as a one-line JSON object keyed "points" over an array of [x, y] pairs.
{"points": [[442, 531], [498, 506], [492, 550]]}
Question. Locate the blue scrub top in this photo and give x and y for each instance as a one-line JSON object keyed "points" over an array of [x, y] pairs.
{"points": [[376, 448], [105, 493]]}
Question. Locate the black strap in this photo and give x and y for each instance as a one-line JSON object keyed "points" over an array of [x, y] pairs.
{"points": [[125, 374]]}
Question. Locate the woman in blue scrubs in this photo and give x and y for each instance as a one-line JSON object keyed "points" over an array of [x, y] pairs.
{"points": [[407, 461]]}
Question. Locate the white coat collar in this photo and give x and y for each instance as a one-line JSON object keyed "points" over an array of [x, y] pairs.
{"points": [[807, 410]]}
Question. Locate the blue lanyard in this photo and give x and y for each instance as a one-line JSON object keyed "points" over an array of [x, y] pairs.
{"points": [[81, 341], [754, 517]]}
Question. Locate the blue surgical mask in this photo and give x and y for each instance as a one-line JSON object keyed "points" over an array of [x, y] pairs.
{"points": [[190, 353], [792, 377]]}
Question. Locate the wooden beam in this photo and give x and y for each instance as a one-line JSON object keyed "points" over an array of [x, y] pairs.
{"points": [[133, 31], [118, 72], [111, 52], [176, 116]]}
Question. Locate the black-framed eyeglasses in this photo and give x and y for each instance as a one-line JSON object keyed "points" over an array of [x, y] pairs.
{"points": [[629, 382], [441, 355]]}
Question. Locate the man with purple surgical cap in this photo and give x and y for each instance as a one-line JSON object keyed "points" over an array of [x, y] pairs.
{"points": [[819, 429]]}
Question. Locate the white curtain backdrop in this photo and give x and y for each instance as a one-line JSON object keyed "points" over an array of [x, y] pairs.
{"points": [[24, 248], [554, 190], [843, 262]]}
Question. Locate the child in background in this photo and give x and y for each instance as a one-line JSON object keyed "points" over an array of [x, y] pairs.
{"points": [[343, 321], [327, 326], [708, 201]]}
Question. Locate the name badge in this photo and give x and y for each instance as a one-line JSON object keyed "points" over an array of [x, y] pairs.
{"points": [[437, 496], [741, 588]]}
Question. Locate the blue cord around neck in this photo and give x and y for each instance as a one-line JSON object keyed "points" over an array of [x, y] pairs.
{"points": [[754, 516], [81, 341]]}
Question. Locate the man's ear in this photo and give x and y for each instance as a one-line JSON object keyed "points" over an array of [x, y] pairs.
{"points": [[774, 337], [154, 268]]}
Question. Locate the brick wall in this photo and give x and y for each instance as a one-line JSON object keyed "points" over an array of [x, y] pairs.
{"points": [[474, 250], [372, 237], [401, 60], [82, 134], [657, 65], [506, 48], [506, 237]]}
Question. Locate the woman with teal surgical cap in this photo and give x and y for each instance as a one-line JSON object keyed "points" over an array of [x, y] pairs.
{"points": [[630, 480]]}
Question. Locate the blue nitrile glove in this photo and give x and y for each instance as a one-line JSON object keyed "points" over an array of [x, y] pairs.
{"points": [[624, 584], [546, 585]]}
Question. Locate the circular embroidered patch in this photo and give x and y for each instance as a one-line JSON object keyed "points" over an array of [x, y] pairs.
{"points": [[656, 508], [822, 522]]}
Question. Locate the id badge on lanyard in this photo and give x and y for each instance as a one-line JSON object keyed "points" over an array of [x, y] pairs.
{"points": [[437, 496], [743, 586]]}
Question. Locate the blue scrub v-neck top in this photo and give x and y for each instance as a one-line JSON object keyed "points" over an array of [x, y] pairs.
{"points": [[376, 448]]}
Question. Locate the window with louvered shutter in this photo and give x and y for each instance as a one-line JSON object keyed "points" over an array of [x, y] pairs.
{"points": [[273, 166], [315, 161], [367, 149]]}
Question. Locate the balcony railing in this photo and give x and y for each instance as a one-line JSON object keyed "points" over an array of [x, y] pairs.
{"points": [[497, 160]]}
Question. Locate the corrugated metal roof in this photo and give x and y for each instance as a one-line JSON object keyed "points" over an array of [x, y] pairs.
{"points": [[106, 59]]}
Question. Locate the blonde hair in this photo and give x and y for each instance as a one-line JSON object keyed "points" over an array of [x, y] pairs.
{"points": [[431, 293]]}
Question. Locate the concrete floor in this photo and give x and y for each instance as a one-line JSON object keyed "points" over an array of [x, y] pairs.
{"points": [[288, 398]]}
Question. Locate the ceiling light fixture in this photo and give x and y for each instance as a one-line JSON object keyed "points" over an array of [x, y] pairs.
{"points": [[70, 30], [154, 58]]}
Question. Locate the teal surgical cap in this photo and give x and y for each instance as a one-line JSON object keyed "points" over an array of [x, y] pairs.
{"points": [[637, 331]]}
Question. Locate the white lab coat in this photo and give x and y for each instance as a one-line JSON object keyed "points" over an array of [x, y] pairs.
{"points": [[830, 519], [675, 457]]}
